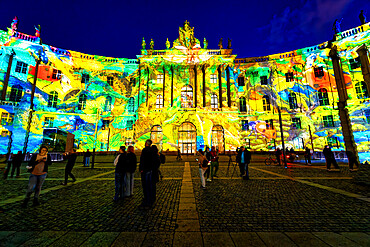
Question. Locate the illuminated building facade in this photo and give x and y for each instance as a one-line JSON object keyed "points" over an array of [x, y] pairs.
{"points": [[185, 96]]}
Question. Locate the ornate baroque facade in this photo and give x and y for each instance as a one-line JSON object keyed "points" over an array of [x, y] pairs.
{"points": [[185, 96]]}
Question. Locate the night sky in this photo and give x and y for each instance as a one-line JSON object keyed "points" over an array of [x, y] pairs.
{"points": [[116, 28]]}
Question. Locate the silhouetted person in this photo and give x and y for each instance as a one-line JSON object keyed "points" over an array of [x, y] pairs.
{"points": [[71, 157], [336, 25], [119, 175], [329, 157], [17, 163], [87, 156], [178, 155], [146, 170], [362, 17], [131, 163], [243, 158], [278, 153], [156, 164], [307, 156]]}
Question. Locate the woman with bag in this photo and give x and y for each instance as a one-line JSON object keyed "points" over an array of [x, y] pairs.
{"points": [[203, 165]]}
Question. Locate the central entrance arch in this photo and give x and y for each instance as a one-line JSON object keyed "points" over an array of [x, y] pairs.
{"points": [[187, 138], [218, 139]]}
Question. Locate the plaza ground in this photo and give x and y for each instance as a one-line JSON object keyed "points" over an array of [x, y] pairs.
{"points": [[296, 206]]}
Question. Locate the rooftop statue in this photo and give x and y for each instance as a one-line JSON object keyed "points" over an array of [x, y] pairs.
{"points": [[143, 44], [336, 25], [229, 43], [15, 24], [205, 43], [151, 44], [362, 17], [37, 31], [220, 44], [186, 37], [168, 45]]}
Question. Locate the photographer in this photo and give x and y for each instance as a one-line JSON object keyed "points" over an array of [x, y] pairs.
{"points": [[71, 157]]}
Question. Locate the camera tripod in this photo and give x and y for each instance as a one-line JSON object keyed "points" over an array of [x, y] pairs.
{"points": [[233, 166]]}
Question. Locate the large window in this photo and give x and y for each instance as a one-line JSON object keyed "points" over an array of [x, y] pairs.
{"points": [[242, 104], [108, 104], [187, 138], [218, 138], [48, 122], [7, 118], [263, 80], [241, 81], [130, 124], [270, 124], [85, 78], [159, 101], [57, 74], [367, 115], [245, 125], [160, 78], [82, 102], [213, 78], [110, 80], [156, 135], [16, 93], [21, 67], [131, 105], [293, 101], [323, 96], [187, 97], [355, 63], [289, 76], [296, 123], [214, 101], [266, 103], [328, 121], [53, 99], [361, 90], [332, 141], [319, 71]]}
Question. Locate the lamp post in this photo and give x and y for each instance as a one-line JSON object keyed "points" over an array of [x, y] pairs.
{"points": [[282, 136], [95, 137]]}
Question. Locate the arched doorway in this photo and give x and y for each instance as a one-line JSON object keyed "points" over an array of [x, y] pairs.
{"points": [[156, 135], [187, 138], [218, 138]]}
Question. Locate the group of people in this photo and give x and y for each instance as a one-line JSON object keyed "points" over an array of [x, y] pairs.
{"points": [[14, 164], [208, 164]]}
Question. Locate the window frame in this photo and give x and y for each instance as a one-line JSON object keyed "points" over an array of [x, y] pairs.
{"points": [[296, 123], [266, 103], [245, 125], [241, 81], [289, 76], [82, 101], [53, 99], [110, 80], [21, 67], [213, 78], [264, 80], [242, 106], [323, 96], [49, 122], [292, 97], [160, 78], [318, 71], [159, 102], [57, 74], [361, 90], [328, 121]]}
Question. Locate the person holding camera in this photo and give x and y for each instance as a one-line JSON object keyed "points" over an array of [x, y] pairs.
{"points": [[71, 157], [38, 167]]}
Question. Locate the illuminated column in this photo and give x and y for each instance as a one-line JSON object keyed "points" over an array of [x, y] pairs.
{"points": [[219, 86], [195, 86], [171, 86], [228, 86], [365, 66], [138, 91], [5, 87], [345, 121], [164, 84], [147, 88], [204, 85]]}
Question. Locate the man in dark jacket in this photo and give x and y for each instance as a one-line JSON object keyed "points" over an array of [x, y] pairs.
{"points": [[120, 172], [146, 170], [243, 158], [329, 157], [71, 157]]}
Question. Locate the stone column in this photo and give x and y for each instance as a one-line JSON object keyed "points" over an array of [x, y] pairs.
{"points": [[195, 86], [8, 72], [164, 83], [365, 66], [171, 86], [204, 85], [228, 86], [219, 86]]}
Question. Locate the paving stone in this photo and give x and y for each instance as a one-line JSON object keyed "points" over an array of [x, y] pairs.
{"points": [[129, 239], [71, 239], [45, 238], [217, 239], [250, 239], [187, 215], [158, 239], [101, 239], [358, 237], [188, 239], [191, 206], [18, 238], [187, 225], [187, 200], [335, 239], [4, 234], [276, 239], [305, 239]]}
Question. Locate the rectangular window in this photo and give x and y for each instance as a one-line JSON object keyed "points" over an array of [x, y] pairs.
{"points": [[57, 74], [7, 118], [85, 78], [270, 124], [48, 122], [4, 133], [332, 141], [263, 80], [296, 123], [21, 67], [132, 82], [367, 116], [319, 71], [160, 78], [241, 81], [110, 80], [355, 63], [328, 121], [105, 124], [245, 125], [213, 78], [130, 123], [289, 76]]}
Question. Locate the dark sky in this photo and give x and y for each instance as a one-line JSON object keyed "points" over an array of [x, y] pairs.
{"points": [[115, 28]]}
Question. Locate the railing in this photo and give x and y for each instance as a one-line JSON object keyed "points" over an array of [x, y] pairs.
{"points": [[27, 37], [352, 31]]}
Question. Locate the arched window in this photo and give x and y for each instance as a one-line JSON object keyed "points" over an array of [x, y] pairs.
{"points": [[108, 104], [323, 96], [82, 102], [16, 93], [131, 105], [266, 103], [361, 90], [218, 138], [243, 104], [187, 138], [293, 101], [53, 99], [156, 135], [187, 97], [159, 101], [214, 101]]}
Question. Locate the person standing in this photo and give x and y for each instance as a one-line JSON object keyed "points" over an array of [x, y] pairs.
{"points": [[155, 175], [146, 169], [178, 158], [307, 156], [329, 157], [71, 157], [362, 17], [131, 162], [278, 156], [119, 180], [203, 165], [9, 167], [214, 162], [208, 170], [87, 156], [17, 163], [243, 158], [38, 167]]}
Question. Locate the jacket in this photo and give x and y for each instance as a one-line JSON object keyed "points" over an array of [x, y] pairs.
{"points": [[131, 162], [33, 163], [247, 156], [146, 160], [121, 166]]}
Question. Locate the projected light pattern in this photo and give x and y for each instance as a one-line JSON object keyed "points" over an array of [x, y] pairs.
{"points": [[184, 96]]}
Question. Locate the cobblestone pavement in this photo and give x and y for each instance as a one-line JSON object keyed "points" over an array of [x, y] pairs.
{"points": [[295, 206]]}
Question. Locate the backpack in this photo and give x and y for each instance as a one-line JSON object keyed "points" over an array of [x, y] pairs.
{"points": [[205, 163]]}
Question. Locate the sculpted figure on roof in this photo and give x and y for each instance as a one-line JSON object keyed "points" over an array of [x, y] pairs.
{"points": [[186, 37]]}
